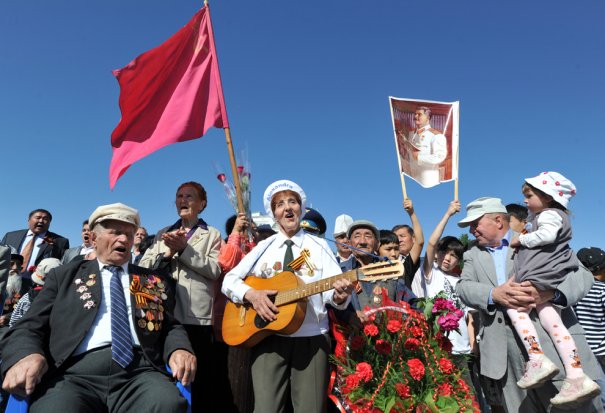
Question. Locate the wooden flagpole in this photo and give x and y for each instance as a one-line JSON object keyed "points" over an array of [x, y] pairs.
{"points": [[401, 174], [457, 155], [238, 190]]}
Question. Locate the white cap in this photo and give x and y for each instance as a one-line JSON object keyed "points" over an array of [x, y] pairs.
{"points": [[554, 184], [115, 212], [43, 269], [480, 207], [280, 186], [342, 224]]}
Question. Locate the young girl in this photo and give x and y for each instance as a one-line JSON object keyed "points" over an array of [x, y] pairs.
{"points": [[544, 258], [440, 272]]}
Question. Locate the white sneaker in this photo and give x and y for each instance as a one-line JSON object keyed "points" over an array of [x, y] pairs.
{"points": [[575, 391], [537, 372]]}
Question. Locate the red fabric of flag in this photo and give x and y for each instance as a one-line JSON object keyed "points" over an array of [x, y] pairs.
{"points": [[170, 94]]}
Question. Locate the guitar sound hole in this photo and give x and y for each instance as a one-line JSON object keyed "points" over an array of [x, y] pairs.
{"points": [[259, 322]]}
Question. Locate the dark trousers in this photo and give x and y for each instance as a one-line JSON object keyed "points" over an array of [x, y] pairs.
{"points": [[210, 391], [93, 382]]}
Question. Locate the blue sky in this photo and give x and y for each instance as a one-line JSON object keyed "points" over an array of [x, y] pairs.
{"points": [[306, 86]]}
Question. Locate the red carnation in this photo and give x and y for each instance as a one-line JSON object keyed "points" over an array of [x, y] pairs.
{"points": [[402, 390], [463, 386], [416, 369], [444, 389], [394, 326], [416, 331], [356, 342], [445, 343], [353, 381], [446, 366], [411, 344], [383, 347], [364, 371], [370, 330]]}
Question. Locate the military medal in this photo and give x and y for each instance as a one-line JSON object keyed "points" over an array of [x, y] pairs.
{"points": [[90, 283], [89, 304], [82, 289], [85, 296], [142, 323], [78, 281], [150, 326]]}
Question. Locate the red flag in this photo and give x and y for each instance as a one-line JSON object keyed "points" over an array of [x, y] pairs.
{"points": [[170, 94]]}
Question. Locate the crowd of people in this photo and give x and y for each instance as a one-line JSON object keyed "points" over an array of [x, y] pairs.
{"points": [[111, 324]]}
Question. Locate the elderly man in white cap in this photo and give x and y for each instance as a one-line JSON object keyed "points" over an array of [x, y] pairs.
{"points": [[298, 361], [487, 284], [98, 336], [341, 225]]}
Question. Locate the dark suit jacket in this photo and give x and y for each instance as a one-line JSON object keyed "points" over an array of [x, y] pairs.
{"points": [[56, 250], [57, 321]]}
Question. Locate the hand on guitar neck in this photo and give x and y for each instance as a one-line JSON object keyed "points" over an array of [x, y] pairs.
{"points": [[264, 307]]}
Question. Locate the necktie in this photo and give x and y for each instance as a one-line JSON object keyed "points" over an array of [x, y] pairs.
{"points": [[27, 252], [289, 255], [121, 340]]}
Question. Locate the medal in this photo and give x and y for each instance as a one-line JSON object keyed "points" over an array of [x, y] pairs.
{"points": [[150, 326], [85, 296], [142, 323], [82, 289], [164, 296], [90, 283], [89, 304]]}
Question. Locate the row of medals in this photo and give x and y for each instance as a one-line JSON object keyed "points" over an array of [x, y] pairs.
{"points": [[151, 313]]}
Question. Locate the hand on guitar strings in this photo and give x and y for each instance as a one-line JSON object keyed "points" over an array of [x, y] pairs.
{"points": [[342, 289], [262, 304]]}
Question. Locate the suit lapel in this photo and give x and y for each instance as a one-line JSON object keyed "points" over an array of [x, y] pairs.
{"points": [[489, 268], [87, 289], [197, 236]]}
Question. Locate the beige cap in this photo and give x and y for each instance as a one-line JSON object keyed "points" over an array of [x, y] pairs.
{"points": [[43, 269], [480, 207], [115, 212]]}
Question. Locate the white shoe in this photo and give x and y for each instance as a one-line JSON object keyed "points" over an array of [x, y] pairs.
{"points": [[537, 372], [575, 391]]}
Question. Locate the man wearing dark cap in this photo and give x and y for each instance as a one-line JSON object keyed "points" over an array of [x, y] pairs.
{"points": [[98, 336], [590, 310], [314, 223], [487, 285]]}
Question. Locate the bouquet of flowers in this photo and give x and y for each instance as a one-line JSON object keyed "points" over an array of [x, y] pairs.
{"points": [[399, 361], [243, 173]]}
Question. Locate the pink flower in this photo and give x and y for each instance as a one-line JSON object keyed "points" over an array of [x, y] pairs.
{"points": [[221, 177], [442, 304], [364, 371], [448, 322], [240, 169], [370, 330], [394, 326]]}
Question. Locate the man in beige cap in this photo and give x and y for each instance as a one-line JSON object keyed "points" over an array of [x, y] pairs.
{"points": [[487, 285], [99, 334]]}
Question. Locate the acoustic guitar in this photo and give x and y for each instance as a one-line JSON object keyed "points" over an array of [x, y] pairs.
{"points": [[243, 327]]}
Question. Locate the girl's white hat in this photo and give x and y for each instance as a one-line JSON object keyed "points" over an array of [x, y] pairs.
{"points": [[280, 186], [554, 184]]}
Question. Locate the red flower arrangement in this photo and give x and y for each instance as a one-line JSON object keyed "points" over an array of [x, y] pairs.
{"points": [[400, 362]]}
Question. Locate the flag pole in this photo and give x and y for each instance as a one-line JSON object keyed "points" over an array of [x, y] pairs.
{"points": [[401, 175], [238, 190], [457, 155]]}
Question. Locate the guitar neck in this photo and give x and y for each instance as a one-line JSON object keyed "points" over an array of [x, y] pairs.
{"points": [[325, 284]]}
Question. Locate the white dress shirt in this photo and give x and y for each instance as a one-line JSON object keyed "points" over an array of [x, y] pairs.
{"points": [[99, 334], [269, 254], [38, 241]]}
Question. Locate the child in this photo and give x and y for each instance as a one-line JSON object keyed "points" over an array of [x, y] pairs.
{"points": [[389, 245], [518, 217], [440, 272], [544, 258]]}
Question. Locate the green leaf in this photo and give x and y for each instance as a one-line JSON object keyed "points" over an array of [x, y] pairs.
{"points": [[389, 405], [447, 404]]}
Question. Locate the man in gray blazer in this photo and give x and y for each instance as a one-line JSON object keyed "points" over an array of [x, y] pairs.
{"points": [[487, 285], [83, 249]]}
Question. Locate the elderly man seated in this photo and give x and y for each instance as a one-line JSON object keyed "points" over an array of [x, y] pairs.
{"points": [[98, 336]]}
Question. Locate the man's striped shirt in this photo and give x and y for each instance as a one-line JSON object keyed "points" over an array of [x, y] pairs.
{"points": [[591, 315]]}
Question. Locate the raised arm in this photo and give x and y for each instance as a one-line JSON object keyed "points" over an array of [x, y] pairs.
{"points": [[453, 208], [418, 235]]}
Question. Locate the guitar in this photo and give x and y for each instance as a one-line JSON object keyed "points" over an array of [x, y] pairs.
{"points": [[243, 327]]}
